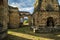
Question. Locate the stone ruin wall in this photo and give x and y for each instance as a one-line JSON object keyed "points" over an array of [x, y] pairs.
{"points": [[14, 18], [40, 14], [4, 18]]}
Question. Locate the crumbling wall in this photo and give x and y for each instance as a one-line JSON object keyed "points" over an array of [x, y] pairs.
{"points": [[14, 19]]}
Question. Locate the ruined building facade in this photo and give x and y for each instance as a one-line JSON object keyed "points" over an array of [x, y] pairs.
{"points": [[14, 18], [46, 13]]}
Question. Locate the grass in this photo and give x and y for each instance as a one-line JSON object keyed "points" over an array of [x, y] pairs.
{"points": [[25, 33]]}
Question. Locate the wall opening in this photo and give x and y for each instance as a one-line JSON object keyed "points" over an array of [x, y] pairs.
{"points": [[26, 21], [50, 21]]}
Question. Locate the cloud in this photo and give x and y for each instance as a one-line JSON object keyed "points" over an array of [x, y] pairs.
{"points": [[14, 4], [23, 5], [29, 9]]}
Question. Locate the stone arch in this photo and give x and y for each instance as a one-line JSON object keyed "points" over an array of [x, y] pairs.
{"points": [[50, 21]]}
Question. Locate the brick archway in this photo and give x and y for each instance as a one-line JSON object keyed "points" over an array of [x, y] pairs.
{"points": [[50, 21]]}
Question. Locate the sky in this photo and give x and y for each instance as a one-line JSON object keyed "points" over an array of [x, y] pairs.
{"points": [[24, 5]]}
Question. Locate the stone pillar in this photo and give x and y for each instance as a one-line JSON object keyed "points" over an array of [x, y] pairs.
{"points": [[3, 18]]}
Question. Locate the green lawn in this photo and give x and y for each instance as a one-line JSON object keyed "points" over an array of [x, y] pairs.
{"points": [[24, 33]]}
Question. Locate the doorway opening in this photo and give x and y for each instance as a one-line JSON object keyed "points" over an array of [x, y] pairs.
{"points": [[26, 21], [50, 22]]}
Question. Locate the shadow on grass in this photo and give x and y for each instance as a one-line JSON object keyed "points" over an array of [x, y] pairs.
{"points": [[11, 37], [26, 30]]}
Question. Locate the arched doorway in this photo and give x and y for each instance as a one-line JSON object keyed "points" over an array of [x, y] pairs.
{"points": [[50, 22], [26, 21]]}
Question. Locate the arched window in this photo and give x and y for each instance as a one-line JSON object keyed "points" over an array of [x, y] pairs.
{"points": [[50, 21]]}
